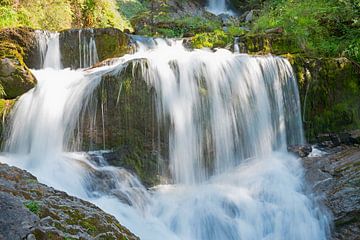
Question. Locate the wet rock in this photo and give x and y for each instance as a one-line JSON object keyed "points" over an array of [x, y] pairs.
{"points": [[30, 210], [110, 43], [300, 150], [126, 108], [336, 180]]}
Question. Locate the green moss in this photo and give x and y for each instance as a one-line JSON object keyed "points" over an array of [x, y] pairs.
{"points": [[33, 206], [90, 228], [112, 45], [218, 38], [330, 94]]}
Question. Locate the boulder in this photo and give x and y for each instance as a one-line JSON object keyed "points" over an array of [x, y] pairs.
{"points": [[125, 106], [30, 210], [15, 77], [300, 150]]}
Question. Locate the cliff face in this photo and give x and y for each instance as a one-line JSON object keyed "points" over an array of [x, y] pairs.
{"points": [[31, 210]]}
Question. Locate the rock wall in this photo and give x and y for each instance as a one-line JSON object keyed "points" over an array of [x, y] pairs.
{"points": [[110, 43]]}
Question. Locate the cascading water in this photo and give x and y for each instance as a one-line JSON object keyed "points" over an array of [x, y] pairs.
{"points": [[49, 49], [87, 49], [218, 7], [231, 118]]}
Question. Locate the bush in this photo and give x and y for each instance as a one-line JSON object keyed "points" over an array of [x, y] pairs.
{"points": [[58, 15], [325, 27]]}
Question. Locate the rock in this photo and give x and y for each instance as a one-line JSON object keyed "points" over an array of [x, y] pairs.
{"points": [[16, 221], [300, 150], [335, 179], [250, 16], [15, 77], [30, 210], [330, 96], [25, 39], [275, 30], [131, 128], [110, 43], [355, 136]]}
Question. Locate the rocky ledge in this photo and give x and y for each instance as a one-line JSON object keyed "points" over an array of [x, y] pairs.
{"points": [[31, 210], [335, 177]]}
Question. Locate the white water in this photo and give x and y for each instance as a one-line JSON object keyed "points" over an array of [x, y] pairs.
{"points": [[218, 7], [49, 49], [231, 115]]}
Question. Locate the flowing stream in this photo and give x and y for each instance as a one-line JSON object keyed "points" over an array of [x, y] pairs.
{"points": [[232, 117]]}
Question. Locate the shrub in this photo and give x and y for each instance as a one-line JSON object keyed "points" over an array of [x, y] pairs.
{"points": [[33, 206]]}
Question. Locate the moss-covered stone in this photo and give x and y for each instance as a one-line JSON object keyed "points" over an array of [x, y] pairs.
{"points": [[126, 123], [15, 77], [329, 92], [274, 43]]}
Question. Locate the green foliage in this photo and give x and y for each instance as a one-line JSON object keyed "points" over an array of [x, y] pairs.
{"points": [[131, 8], [217, 38], [325, 27], [57, 15], [8, 17], [169, 27], [353, 50], [33, 206]]}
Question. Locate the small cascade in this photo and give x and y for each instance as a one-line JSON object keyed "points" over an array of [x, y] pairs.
{"points": [[218, 7], [87, 48], [49, 49], [236, 45], [231, 117]]}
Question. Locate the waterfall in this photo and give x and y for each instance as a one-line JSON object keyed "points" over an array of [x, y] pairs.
{"points": [[49, 49], [218, 7], [231, 118]]}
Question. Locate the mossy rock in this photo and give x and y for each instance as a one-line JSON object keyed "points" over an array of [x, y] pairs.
{"points": [[274, 43], [131, 129], [110, 43], [15, 77], [330, 94], [25, 38]]}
